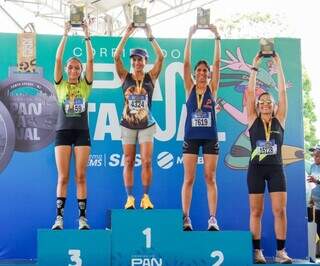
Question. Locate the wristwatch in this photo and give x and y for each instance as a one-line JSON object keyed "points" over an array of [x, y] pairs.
{"points": [[7, 136], [32, 103]]}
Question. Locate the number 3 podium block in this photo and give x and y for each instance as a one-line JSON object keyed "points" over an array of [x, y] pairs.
{"points": [[74, 248]]}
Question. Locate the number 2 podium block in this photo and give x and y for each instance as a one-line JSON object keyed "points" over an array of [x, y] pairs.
{"points": [[74, 248]]}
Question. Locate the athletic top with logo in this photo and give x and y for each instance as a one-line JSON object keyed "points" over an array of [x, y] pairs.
{"points": [[138, 97], [265, 151], [200, 123], [73, 100]]}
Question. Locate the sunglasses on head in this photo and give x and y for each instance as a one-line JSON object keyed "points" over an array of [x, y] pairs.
{"points": [[265, 102]]}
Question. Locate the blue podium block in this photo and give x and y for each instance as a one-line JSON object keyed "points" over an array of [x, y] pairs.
{"points": [[74, 248], [227, 248], [145, 237]]}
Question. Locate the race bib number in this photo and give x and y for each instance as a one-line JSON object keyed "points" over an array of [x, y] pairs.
{"points": [[77, 106], [267, 147], [201, 119], [137, 102]]}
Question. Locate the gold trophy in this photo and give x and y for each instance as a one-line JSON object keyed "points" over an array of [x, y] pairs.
{"points": [[267, 47], [139, 17], [76, 15], [203, 18]]}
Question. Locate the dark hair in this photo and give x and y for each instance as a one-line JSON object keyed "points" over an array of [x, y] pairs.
{"points": [[265, 93], [204, 62]]}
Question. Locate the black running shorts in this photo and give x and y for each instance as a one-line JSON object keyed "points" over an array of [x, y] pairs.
{"points": [[76, 137], [259, 175], [192, 146]]}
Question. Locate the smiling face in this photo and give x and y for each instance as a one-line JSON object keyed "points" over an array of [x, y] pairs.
{"points": [[202, 73], [265, 104], [138, 63], [74, 69]]}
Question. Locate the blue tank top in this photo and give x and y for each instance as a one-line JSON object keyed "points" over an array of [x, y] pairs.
{"points": [[201, 125]]}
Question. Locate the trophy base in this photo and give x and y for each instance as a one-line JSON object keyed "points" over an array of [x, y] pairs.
{"points": [[202, 27], [76, 25], [267, 54], [139, 25]]}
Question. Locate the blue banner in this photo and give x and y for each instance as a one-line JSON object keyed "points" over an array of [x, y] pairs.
{"points": [[28, 111]]}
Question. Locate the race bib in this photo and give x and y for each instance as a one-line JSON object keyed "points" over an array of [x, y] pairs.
{"points": [[201, 119], [267, 147], [137, 102], [76, 106]]}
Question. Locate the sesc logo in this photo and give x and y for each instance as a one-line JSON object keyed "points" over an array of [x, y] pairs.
{"points": [[95, 160], [165, 160]]}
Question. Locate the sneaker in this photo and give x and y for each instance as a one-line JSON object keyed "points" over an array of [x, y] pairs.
{"points": [[146, 203], [282, 257], [58, 224], [258, 257], [130, 203], [213, 224], [83, 223], [187, 226]]}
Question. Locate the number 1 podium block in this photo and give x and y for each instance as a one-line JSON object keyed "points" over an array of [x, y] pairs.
{"points": [[145, 237], [74, 248]]}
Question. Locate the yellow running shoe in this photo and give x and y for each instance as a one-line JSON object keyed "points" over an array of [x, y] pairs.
{"points": [[146, 203], [130, 203]]}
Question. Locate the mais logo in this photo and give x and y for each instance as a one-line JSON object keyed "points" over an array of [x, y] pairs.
{"points": [[96, 160]]}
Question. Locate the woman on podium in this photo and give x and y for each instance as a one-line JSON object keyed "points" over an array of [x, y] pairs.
{"points": [[266, 128], [137, 123], [201, 88], [72, 129]]}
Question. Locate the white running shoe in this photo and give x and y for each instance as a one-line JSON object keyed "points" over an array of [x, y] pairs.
{"points": [[213, 224], [282, 257], [58, 224], [83, 223], [187, 226], [258, 257]]}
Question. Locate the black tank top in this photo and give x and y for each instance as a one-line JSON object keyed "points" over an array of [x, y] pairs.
{"points": [[263, 152]]}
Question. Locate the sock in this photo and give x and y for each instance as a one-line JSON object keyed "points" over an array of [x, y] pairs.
{"points": [[256, 243], [129, 190], [280, 244], [82, 205], [60, 202]]}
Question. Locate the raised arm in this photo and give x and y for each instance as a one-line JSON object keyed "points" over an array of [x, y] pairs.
{"points": [[281, 113], [155, 71], [122, 72], [187, 71], [251, 91], [89, 64], [58, 68], [215, 76]]}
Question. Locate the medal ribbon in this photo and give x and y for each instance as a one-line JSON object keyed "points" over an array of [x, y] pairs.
{"points": [[199, 100], [139, 86], [267, 129]]}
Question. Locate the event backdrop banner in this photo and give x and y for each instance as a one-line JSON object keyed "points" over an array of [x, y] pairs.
{"points": [[28, 107]]}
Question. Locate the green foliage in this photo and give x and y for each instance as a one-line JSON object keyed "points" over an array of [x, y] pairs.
{"points": [[309, 116]]}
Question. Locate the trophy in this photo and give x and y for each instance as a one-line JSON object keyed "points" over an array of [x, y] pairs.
{"points": [[76, 15], [266, 47], [203, 18], [139, 17]]}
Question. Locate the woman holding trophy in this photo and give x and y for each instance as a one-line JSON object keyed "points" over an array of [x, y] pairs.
{"points": [[201, 88], [137, 123], [72, 129], [266, 128]]}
